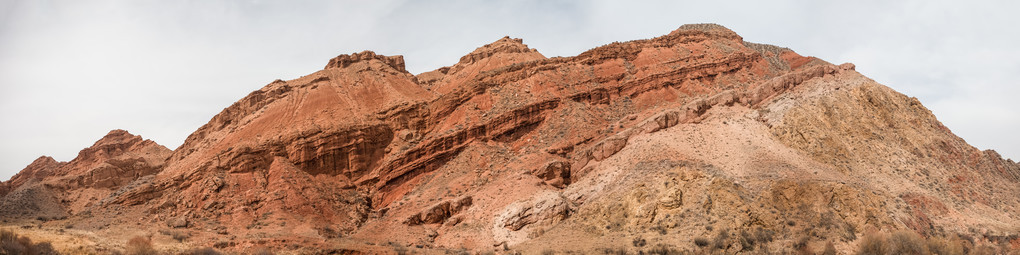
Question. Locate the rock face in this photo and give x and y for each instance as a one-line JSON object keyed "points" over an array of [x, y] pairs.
{"points": [[47, 188], [696, 133]]}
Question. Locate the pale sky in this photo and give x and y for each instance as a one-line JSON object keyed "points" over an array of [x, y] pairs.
{"points": [[70, 71]]}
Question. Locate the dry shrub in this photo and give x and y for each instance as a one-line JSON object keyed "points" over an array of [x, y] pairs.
{"points": [[263, 251], [873, 243], [664, 249], [722, 240], [701, 241], [943, 246], [746, 241], [617, 251], [907, 242], [830, 249], [180, 236], [12, 243], [639, 242], [763, 236], [801, 245], [202, 251], [984, 250], [140, 246]]}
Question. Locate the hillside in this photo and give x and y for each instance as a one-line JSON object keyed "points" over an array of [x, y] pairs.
{"points": [[632, 146]]}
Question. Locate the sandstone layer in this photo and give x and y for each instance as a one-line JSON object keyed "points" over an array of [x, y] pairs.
{"points": [[696, 133]]}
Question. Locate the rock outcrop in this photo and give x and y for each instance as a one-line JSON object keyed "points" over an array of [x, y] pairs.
{"points": [[342, 61], [694, 134], [48, 188]]}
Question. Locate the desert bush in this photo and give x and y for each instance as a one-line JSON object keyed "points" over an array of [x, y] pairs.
{"points": [[827, 220], [180, 236], [906, 242], [617, 251], [984, 250], [721, 240], [201, 251], [764, 236], [663, 249], [872, 243], [140, 246], [802, 242], [944, 246], [830, 249], [747, 241], [12, 243], [399, 249], [850, 232], [660, 229], [801, 245], [263, 251], [639, 242], [701, 241]]}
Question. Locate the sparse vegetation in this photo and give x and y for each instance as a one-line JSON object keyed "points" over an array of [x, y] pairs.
{"points": [[830, 249], [639, 242], [983, 250], [747, 241], [701, 241], [140, 246], [944, 246], [12, 243], [263, 251], [872, 243], [850, 232], [906, 242], [180, 236], [617, 251], [721, 240], [399, 249], [764, 236], [663, 249], [202, 251]]}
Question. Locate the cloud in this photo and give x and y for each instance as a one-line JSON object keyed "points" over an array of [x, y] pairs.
{"points": [[70, 71]]}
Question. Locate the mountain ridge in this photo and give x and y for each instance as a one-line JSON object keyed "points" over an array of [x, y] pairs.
{"points": [[695, 133]]}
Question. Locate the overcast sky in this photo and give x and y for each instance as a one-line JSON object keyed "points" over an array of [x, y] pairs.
{"points": [[70, 71]]}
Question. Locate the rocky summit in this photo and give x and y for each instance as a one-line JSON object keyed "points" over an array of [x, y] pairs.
{"points": [[694, 141]]}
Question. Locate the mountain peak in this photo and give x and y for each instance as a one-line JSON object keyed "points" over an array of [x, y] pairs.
{"points": [[344, 60], [503, 45], [710, 29]]}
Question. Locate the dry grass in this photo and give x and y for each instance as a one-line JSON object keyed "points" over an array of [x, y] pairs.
{"points": [[663, 249], [944, 246], [873, 243], [180, 236], [12, 243], [907, 242], [202, 251]]}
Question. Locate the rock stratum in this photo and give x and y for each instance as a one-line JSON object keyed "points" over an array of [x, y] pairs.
{"points": [[646, 144]]}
